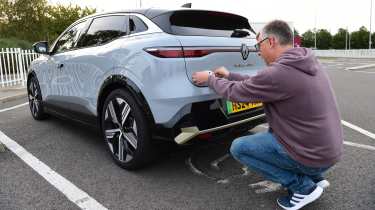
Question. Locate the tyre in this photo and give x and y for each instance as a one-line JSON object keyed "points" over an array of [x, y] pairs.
{"points": [[126, 130], [35, 99]]}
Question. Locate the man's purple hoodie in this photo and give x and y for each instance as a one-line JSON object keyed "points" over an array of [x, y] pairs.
{"points": [[299, 103]]}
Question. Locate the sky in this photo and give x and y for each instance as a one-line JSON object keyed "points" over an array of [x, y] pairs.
{"points": [[303, 14]]}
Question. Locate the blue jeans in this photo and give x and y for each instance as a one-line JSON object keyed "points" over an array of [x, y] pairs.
{"points": [[262, 153]]}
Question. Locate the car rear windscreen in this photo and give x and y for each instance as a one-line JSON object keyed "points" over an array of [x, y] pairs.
{"points": [[201, 23]]}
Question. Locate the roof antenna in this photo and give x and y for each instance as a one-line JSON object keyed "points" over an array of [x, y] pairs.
{"points": [[187, 5]]}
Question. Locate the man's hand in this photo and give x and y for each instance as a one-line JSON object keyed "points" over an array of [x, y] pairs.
{"points": [[201, 77], [221, 72]]}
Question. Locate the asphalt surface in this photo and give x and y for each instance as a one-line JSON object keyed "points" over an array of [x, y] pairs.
{"points": [[201, 176], [12, 93]]}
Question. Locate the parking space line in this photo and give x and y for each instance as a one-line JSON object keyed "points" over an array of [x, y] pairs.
{"points": [[358, 129], [14, 107], [360, 67], [347, 124], [354, 127], [73, 193], [362, 146], [365, 72]]}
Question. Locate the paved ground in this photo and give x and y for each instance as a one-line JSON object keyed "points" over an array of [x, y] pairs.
{"points": [[200, 176], [12, 93]]}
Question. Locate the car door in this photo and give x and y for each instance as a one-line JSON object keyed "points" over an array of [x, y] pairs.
{"points": [[90, 60], [63, 51]]}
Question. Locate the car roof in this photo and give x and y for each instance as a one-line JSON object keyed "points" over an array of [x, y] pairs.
{"points": [[153, 12], [149, 13]]}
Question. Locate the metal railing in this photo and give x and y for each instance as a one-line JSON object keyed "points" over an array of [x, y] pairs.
{"points": [[14, 64], [365, 53]]}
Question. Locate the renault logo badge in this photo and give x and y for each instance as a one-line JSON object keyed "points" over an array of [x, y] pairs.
{"points": [[244, 51]]}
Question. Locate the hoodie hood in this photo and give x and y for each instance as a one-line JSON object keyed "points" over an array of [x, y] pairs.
{"points": [[301, 59]]}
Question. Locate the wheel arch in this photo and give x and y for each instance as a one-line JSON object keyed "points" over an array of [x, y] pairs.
{"points": [[30, 74], [119, 81]]}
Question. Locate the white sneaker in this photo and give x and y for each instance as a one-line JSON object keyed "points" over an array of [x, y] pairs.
{"points": [[323, 183], [297, 201]]}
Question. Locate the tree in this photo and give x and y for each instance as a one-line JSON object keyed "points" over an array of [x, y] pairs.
{"points": [[308, 39], [23, 19], [339, 39], [323, 39], [35, 20], [359, 39], [60, 17]]}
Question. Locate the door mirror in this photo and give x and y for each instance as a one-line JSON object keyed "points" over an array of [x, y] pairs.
{"points": [[41, 48]]}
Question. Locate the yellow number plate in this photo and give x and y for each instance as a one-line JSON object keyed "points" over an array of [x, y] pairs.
{"points": [[233, 107]]}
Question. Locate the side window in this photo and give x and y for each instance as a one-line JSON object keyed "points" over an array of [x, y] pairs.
{"points": [[68, 40], [136, 25], [103, 30]]}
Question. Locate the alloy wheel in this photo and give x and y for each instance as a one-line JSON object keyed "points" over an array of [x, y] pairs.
{"points": [[120, 130], [34, 98]]}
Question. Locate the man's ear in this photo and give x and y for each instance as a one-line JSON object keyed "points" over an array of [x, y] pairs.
{"points": [[272, 41]]}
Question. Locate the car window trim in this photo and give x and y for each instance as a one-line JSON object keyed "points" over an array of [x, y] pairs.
{"points": [[101, 16], [62, 34], [128, 28], [147, 28], [151, 28]]}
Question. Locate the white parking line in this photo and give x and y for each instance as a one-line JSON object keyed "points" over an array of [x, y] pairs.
{"points": [[366, 72], [363, 146], [358, 129], [354, 127], [73, 193], [14, 107], [360, 67]]}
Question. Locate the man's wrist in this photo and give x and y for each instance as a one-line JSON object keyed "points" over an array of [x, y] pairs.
{"points": [[228, 76], [210, 78]]}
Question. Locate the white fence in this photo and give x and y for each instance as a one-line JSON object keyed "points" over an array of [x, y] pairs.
{"points": [[346, 53], [14, 64]]}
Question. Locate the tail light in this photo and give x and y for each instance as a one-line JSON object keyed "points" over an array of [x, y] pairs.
{"points": [[167, 52], [196, 53], [180, 52]]}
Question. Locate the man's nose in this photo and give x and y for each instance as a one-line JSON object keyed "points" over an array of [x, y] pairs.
{"points": [[259, 54]]}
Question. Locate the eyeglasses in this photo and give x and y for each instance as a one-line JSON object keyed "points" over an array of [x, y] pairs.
{"points": [[257, 45]]}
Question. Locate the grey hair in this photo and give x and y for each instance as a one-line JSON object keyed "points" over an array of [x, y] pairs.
{"points": [[281, 30]]}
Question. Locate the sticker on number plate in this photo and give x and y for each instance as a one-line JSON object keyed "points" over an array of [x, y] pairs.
{"points": [[233, 107]]}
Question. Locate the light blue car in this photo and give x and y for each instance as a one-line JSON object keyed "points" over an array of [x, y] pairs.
{"points": [[129, 74]]}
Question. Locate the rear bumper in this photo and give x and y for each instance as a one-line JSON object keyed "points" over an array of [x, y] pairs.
{"points": [[203, 118], [189, 133]]}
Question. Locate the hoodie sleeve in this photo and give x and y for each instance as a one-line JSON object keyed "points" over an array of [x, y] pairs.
{"points": [[237, 77], [258, 88]]}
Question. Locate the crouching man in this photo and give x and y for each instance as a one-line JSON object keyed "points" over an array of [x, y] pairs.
{"points": [[305, 136]]}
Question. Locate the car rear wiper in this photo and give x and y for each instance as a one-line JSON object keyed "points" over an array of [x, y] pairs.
{"points": [[244, 32]]}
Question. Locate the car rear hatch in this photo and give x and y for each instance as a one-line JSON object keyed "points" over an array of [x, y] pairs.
{"points": [[214, 52], [212, 39]]}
